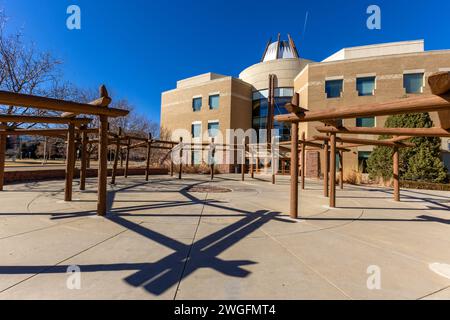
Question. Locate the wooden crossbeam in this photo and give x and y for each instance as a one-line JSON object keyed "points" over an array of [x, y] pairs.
{"points": [[39, 119], [97, 107], [425, 103], [368, 142], [413, 132]]}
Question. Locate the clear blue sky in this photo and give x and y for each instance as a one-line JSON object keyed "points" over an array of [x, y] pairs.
{"points": [[140, 48]]}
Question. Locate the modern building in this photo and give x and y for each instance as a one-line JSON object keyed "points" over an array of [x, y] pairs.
{"points": [[352, 76]]}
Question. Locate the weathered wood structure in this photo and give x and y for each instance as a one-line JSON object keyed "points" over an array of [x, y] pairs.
{"points": [[439, 101], [71, 110]]}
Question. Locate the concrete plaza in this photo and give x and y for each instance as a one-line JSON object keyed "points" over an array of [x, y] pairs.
{"points": [[164, 241]]}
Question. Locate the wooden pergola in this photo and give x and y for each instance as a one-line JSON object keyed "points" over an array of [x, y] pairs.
{"points": [[70, 110], [438, 101]]}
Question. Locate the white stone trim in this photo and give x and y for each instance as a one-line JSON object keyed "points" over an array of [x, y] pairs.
{"points": [[414, 71], [366, 75], [334, 78], [444, 69], [197, 96]]}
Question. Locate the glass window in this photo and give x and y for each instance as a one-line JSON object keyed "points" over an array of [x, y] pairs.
{"points": [[197, 104], [333, 88], [363, 156], [196, 130], [365, 122], [196, 157], [213, 129], [214, 102], [448, 144], [413, 83], [365, 86]]}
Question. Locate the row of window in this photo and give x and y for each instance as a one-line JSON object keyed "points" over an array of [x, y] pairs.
{"points": [[412, 82], [213, 129], [213, 103]]}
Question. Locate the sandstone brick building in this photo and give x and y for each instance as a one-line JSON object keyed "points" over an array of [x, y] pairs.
{"points": [[211, 103]]}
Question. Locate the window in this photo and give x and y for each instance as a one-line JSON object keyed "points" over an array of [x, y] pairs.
{"points": [[196, 157], [448, 144], [413, 82], [196, 130], [197, 104], [365, 86], [214, 102], [363, 156], [365, 122], [213, 129], [333, 88]]}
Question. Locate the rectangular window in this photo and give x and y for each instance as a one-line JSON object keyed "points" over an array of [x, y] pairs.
{"points": [[363, 156], [413, 82], [213, 129], [365, 122], [365, 86], [196, 104], [333, 88], [196, 130], [214, 102], [196, 157]]}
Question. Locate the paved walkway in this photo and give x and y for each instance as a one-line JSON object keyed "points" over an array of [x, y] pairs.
{"points": [[162, 242]]}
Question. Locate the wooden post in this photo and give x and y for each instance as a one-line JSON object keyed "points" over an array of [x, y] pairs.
{"points": [[341, 174], [127, 159], [294, 170], [181, 159], [116, 157], [70, 162], [303, 160], [213, 154], [149, 155], [333, 171], [272, 152], [243, 159], [326, 156], [102, 166], [2, 159], [84, 141], [396, 175], [171, 163], [252, 159]]}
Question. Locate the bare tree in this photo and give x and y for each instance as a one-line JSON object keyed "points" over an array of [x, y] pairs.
{"points": [[23, 69]]}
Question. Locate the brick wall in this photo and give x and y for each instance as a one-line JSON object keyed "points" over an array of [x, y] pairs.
{"points": [[51, 174]]}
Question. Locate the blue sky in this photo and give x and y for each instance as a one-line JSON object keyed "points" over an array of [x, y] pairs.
{"points": [[140, 48]]}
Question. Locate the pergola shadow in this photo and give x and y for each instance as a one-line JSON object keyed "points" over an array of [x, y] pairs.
{"points": [[158, 277]]}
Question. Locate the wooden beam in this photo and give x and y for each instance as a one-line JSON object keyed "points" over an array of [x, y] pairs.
{"points": [[103, 167], [396, 175], [180, 174], [303, 162], [2, 160], [70, 162], [439, 82], [326, 169], [84, 156], [95, 108], [294, 171], [116, 159], [127, 160], [423, 103], [368, 142], [412, 132], [333, 171], [149, 155], [243, 160], [341, 170], [39, 119]]}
